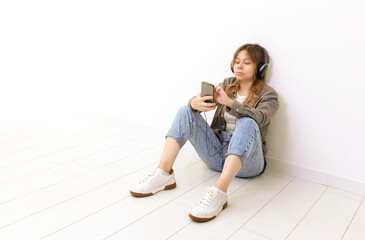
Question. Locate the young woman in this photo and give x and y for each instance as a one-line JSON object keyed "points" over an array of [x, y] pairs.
{"points": [[234, 144]]}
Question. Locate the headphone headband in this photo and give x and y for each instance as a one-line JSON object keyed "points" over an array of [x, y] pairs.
{"points": [[266, 56]]}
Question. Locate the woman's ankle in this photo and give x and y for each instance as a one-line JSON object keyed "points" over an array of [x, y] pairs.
{"points": [[221, 187], [164, 168]]}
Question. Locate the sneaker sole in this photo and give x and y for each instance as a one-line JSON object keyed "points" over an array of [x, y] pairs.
{"points": [[207, 219], [168, 187]]}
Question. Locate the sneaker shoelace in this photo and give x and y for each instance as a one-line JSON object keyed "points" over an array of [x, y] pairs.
{"points": [[208, 198], [149, 178]]}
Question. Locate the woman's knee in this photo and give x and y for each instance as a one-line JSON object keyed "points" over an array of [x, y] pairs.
{"points": [[246, 123], [184, 111], [184, 118]]}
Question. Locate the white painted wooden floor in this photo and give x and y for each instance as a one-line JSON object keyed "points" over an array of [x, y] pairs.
{"points": [[68, 177]]}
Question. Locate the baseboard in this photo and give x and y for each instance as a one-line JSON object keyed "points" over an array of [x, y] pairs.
{"points": [[315, 176]]}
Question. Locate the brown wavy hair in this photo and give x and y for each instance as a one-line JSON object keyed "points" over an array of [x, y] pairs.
{"points": [[257, 56]]}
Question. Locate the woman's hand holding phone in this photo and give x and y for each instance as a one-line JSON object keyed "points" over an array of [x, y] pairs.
{"points": [[198, 103], [205, 103]]}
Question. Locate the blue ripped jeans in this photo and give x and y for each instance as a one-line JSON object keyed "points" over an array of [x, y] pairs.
{"points": [[245, 141]]}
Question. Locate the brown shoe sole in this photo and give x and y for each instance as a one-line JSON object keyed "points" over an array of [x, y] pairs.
{"points": [[169, 187], [206, 219]]}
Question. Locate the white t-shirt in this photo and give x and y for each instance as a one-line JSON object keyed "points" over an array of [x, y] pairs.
{"points": [[230, 120]]}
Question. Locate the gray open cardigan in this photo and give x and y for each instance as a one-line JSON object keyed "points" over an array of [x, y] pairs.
{"points": [[262, 112]]}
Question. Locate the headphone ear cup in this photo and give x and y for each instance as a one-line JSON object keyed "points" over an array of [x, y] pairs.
{"points": [[258, 71], [261, 69]]}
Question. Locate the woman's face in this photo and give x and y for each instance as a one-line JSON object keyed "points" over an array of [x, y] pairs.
{"points": [[243, 67]]}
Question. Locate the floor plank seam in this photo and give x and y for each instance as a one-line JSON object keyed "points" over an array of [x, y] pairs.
{"points": [[115, 203], [108, 176], [194, 188], [61, 150], [34, 173], [179, 230], [76, 196], [260, 234], [155, 162], [27, 148], [285, 177], [81, 166], [347, 197], [65, 163], [48, 186], [59, 203], [101, 209], [43, 188], [66, 200], [68, 179], [53, 131], [172, 200], [128, 156], [324, 191], [261, 208], [241, 186], [348, 226]]}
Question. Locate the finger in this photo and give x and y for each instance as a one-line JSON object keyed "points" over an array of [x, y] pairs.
{"points": [[207, 98], [204, 104], [204, 109], [211, 105], [208, 109]]}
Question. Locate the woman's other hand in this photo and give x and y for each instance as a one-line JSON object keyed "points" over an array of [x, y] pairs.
{"points": [[198, 103], [221, 97]]}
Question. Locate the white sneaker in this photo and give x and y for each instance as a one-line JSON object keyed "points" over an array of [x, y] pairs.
{"points": [[157, 181], [213, 202]]}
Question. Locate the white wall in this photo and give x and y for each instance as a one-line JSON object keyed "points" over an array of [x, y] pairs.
{"points": [[142, 60]]}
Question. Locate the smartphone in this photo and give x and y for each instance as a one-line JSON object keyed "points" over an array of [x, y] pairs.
{"points": [[207, 90]]}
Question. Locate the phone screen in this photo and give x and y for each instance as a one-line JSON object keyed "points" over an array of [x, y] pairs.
{"points": [[207, 90]]}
